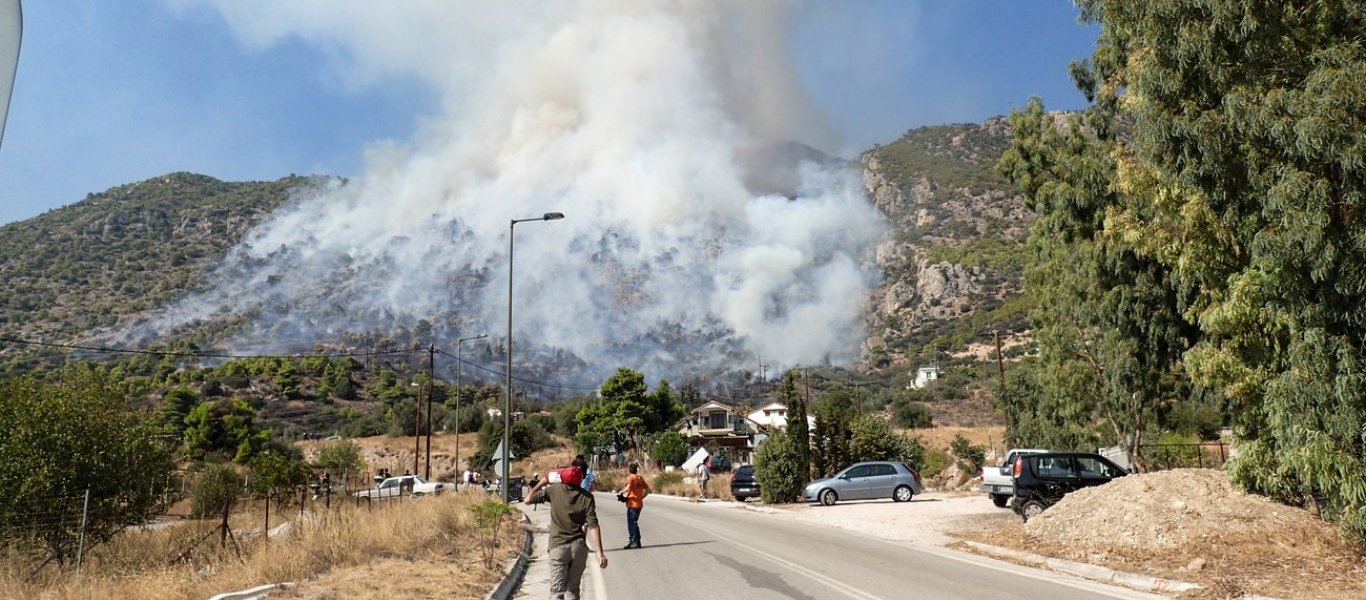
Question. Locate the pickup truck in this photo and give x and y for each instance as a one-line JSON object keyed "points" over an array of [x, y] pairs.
{"points": [[405, 485], [996, 479]]}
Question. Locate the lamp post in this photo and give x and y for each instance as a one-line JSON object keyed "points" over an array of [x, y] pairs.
{"points": [[459, 368], [507, 401]]}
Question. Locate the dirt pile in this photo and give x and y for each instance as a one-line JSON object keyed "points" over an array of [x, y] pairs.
{"points": [[1167, 509]]}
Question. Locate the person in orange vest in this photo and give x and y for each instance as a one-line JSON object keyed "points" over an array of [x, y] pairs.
{"points": [[633, 494]]}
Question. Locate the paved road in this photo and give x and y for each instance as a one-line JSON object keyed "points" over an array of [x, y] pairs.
{"points": [[716, 550]]}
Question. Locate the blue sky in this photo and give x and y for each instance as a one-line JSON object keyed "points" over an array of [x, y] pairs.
{"points": [[114, 92]]}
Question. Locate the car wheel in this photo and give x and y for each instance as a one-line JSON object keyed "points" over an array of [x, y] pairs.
{"points": [[829, 497], [902, 493], [1000, 500], [1031, 509]]}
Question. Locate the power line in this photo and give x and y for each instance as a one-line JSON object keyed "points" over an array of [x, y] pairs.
{"points": [[203, 354], [516, 378]]}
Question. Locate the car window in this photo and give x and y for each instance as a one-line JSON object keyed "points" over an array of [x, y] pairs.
{"points": [[1095, 469], [1054, 466], [388, 484], [860, 471], [880, 470]]}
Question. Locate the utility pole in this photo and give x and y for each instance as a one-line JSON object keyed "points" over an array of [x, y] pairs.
{"points": [[1000, 364], [417, 428], [763, 379], [431, 374]]}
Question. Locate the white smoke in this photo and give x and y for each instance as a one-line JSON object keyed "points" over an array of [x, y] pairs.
{"points": [[637, 119]]}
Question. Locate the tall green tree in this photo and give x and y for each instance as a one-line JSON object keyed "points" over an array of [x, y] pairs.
{"points": [[226, 427], [797, 426], [59, 440], [1247, 134], [175, 407], [620, 416], [831, 441], [1106, 315]]}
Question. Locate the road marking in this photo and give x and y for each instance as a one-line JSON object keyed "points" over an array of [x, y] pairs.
{"points": [[599, 586], [834, 584]]}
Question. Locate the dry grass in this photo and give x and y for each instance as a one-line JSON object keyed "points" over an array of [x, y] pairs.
{"points": [[423, 533], [940, 437]]}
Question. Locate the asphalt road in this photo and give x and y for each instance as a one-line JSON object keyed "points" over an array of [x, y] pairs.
{"points": [[716, 550]]}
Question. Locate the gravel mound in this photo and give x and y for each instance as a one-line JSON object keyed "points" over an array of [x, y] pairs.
{"points": [[1166, 509]]}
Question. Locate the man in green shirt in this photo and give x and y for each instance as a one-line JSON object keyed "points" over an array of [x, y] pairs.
{"points": [[573, 515]]}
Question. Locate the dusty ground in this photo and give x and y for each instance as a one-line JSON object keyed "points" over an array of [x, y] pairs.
{"points": [[1191, 525], [930, 518]]}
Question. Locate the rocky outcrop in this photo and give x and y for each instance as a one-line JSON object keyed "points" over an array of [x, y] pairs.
{"points": [[956, 242]]}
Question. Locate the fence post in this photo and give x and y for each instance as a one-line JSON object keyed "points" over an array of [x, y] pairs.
{"points": [[85, 518]]}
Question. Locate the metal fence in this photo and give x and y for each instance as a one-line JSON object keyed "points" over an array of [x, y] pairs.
{"points": [[55, 523], [1204, 455]]}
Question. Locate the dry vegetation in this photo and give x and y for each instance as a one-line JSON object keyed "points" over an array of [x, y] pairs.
{"points": [[1192, 525], [326, 551]]}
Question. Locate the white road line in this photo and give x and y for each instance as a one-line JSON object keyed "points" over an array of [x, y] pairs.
{"points": [[834, 584], [599, 586]]}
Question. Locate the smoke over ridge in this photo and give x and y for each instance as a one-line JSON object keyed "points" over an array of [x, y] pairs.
{"points": [[652, 125]]}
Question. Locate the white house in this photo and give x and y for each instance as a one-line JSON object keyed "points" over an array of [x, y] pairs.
{"points": [[774, 416], [924, 375]]}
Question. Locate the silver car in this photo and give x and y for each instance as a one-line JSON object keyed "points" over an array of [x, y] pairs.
{"points": [[865, 480]]}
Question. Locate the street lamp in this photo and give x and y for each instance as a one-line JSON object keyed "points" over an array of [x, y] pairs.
{"points": [[459, 368], [507, 400]]}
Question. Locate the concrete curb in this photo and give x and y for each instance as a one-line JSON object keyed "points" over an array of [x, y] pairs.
{"points": [[256, 593], [515, 571], [1102, 574]]}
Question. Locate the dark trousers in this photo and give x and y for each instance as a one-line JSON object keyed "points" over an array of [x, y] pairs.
{"points": [[633, 524]]}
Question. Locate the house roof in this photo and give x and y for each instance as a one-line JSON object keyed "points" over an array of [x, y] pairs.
{"points": [[712, 405], [769, 406]]}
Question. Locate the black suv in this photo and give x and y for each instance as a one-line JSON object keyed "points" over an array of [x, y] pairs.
{"points": [[1041, 480], [743, 485]]}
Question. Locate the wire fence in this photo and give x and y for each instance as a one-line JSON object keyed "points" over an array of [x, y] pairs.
{"points": [[1204, 455], [53, 526]]}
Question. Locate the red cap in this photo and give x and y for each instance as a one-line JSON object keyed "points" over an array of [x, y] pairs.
{"points": [[571, 476]]}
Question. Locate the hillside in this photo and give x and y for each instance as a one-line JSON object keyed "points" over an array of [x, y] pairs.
{"points": [[123, 251], [952, 266]]}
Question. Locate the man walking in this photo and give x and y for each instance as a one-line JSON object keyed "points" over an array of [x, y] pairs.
{"points": [[573, 514], [635, 492]]}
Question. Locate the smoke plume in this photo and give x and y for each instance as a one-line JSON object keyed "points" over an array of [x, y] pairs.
{"points": [[662, 129]]}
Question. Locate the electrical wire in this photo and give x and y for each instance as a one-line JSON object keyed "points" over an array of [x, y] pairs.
{"points": [[203, 354]]}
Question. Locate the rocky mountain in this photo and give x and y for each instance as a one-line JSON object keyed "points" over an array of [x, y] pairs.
{"points": [[953, 263]]}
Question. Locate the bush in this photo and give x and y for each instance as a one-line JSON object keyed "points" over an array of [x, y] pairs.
{"points": [[779, 470], [873, 439], [670, 449], [216, 490], [970, 457], [912, 415], [934, 463]]}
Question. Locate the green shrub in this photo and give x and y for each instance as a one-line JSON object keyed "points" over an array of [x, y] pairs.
{"points": [[779, 470], [970, 456], [934, 463]]}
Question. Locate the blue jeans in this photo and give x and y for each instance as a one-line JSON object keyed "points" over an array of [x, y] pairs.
{"points": [[633, 524]]}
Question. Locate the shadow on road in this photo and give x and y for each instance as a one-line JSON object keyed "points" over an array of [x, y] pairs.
{"points": [[649, 546]]}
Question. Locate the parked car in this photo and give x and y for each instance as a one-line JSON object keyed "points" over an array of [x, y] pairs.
{"points": [[1041, 480], [997, 480], [403, 485], [743, 485], [866, 480]]}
